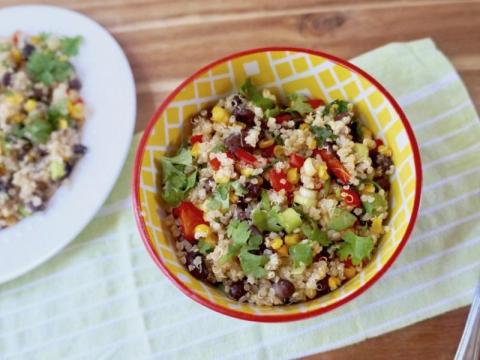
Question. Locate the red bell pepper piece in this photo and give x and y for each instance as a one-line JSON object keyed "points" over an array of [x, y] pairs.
{"points": [[296, 161], [190, 216], [196, 138], [215, 164], [283, 117], [315, 103], [278, 180], [245, 156], [268, 152], [334, 165], [351, 197]]}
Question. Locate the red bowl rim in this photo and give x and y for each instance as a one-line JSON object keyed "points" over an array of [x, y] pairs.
{"points": [[280, 317]]}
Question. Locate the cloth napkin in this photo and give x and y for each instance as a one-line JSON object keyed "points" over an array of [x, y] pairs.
{"points": [[102, 297]]}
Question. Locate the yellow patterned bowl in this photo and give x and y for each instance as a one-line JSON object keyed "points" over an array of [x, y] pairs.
{"points": [[283, 71]]}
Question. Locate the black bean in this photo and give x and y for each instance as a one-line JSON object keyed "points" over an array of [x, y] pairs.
{"points": [[75, 84], [322, 287], [28, 49], [233, 142], [200, 273], [3, 186], [284, 289], [79, 149], [383, 162], [237, 101], [253, 190], [7, 79], [34, 208], [244, 115], [237, 290], [68, 169], [383, 181]]}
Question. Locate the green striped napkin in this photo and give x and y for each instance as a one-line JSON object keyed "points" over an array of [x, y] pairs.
{"points": [[102, 296]]}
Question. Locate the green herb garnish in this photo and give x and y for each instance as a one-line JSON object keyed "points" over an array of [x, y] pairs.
{"points": [[322, 134], [299, 104], [341, 220], [355, 247], [253, 264], [70, 45], [46, 67], [301, 254], [251, 93]]}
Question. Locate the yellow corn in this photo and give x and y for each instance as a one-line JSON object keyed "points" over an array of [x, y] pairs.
{"points": [[16, 55], [276, 243], [246, 171], [201, 231], [350, 272], [17, 118], [278, 151], [322, 172], [366, 132], [15, 99], [333, 282], [220, 115], [233, 198], [283, 251], [221, 179], [211, 239], [384, 150], [196, 150], [311, 143], [292, 176], [62, 123], [266, 143], [75, 110], [30, 105], [311, 293], [369, 188], [292, 239], [377, 227], [241, 125], [303, 126]]}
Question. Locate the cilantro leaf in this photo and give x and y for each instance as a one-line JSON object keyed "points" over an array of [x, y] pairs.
{"points": [[267, 220], [57, 111], [45, 67], [301, 254], [322, 134], [356, 247], [272, 112], [239, 231], [298, 104], [377, 207], [336, 107], [251, 93], [204, 247], [176, 183], [38, 131], [253, 264], [70, 45], [220, 199], [313, 233], [238, 188]]}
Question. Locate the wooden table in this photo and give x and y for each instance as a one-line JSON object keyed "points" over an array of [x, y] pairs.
{"points": [[168, 40]]}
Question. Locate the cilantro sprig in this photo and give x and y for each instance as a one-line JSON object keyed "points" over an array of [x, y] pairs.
{"points": [[251, 93], [322, 134], [299, 104], [355, 247]]}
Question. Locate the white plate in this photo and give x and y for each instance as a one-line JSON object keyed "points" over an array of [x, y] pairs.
{"points": [[109, 94]]}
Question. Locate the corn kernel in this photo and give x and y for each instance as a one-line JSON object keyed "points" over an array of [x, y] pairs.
{"points": [[246, 171], [292, 176], [303, 126], [278, 151], [62, 123], [17, 118], [384, 150], [16, 55], [283, 251], [292, 239], [233, 198], [196, 150], [221, 179], [75, 110], [350, 272], [322, 172], [276, 243], [311, 293], [369, 188], [201, 231], [30, 105], [308, 167], [266, 143], [311, 143], [220, 115], [333, 282], [366, 132], [377, 227], [211, 239], [15, 99]]}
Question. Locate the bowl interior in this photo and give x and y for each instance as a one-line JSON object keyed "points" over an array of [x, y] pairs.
{"points": [[283, 72]]}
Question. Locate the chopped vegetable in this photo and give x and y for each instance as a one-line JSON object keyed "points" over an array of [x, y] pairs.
{"points": [[253, 264], [196, 138], [351, 197], [220, 199], [57, 170], [47, 68], [190, 216], [322, 134], [341, 220], [70, 45], [251, 93], [296, 161], [377, 206], [355, 247], [204, 247], [313, 233], [279, 181], [301, 254], [299, 104], [290, 220], [335, 166], [245, 156]]}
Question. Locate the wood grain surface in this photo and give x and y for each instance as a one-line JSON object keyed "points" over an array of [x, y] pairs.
{"points": [[166, 41]]}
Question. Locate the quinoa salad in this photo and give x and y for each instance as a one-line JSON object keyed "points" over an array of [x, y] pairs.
{"points": [[277, 202], [41, 117]]}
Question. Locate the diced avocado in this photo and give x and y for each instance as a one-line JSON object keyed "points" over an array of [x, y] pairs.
{"points": [[378, 206], [341, 220], [290, 220], [57, 170]]}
